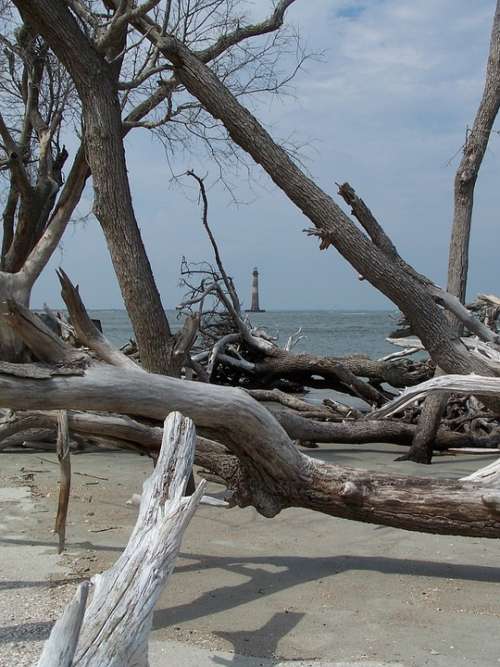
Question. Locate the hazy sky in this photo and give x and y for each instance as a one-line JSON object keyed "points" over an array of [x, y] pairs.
{"points": [[386, 109]]}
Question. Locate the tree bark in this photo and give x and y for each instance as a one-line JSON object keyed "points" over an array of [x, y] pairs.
{"points": [[12, 348], [424, 441], [63, 455], [475, 147], [270, 472], [147, 437], [266, 469], [458, 261], [331, 223], [95, 80]]}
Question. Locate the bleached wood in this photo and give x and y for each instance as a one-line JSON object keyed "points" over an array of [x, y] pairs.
{"points": [[487, 476], [294, 339], [86, 330], [483, 350], [456, 384], [398, 355], [474, 450], [273, 473], [217, 349], [117, 622], [60, 648]]}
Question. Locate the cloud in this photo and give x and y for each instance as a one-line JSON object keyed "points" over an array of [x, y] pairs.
{"points": [[385, 108]]}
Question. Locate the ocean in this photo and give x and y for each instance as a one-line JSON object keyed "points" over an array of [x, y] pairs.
{"points": [[327, 332], [335, 333]]}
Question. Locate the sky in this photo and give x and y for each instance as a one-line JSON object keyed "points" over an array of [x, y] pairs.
{"points": [[385, 108]]}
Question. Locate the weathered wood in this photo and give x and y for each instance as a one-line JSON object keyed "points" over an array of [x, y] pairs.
{"points": [[60, 648], [96, 82], [63, 456], [288, 400], [41, 340], [145, 437], [475, 147], [457, 384], [369, 429], [86, 330], [273, 473], [117, 622], [35, 371], [487, 476], [331, 223]]}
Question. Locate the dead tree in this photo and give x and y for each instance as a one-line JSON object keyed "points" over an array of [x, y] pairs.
{"points": [[233, 351], [113, 629], [261, 466], [119, 89], [370, 252], [474, 149], [36, 96]]}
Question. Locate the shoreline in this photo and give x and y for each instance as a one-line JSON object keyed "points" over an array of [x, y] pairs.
{"points": [[301, 586]]}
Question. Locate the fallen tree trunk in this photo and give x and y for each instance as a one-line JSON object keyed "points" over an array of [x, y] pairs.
{"points": [[265, 469], [344, 372], [269, 471], [369, 430], [115, 628], [147, 437]]}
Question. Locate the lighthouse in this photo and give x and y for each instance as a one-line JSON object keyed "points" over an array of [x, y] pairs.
{"points": [[255, 293]]}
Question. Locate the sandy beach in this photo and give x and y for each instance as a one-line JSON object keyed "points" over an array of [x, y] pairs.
{"points": [[251, 591]]}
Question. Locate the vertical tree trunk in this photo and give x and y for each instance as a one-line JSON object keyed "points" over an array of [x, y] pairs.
{"points": [[95, 80], [458, 262], [114, 210], [12, 347], [468, 170]]}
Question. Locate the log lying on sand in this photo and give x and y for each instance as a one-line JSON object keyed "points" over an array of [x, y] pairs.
{"points": [[456, 384], [114, 628], [265, 469], [369, 430], [268, 471]]}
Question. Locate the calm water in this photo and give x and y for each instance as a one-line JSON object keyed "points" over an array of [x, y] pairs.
{"points": [[335, 333]]}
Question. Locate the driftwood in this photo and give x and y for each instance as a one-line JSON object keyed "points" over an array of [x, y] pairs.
{"points": [[61, 646], [264, 468], [63, 455], [237, 353], [115, 627], [272, 474], [123, 431], [458, 384]]}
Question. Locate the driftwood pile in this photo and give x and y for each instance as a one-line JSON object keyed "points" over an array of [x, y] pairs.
{"points": [[229, 350], [244, 444]]}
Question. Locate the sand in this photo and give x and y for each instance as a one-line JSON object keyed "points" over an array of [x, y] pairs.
{"points": [[251, 591]]}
